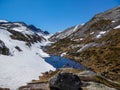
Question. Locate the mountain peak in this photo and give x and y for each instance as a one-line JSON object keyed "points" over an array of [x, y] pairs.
{"points": [[3, 21]]}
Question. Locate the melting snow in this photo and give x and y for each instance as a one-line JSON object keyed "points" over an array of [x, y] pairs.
{"points": [[84, 47], [81, 39], [92, 33], [63, 54], [75, 28], [100, 34], [117, 27], [113, 21], [23, 66]]}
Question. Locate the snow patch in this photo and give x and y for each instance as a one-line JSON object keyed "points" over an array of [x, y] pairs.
{"points": [[23, 30], [3, 21], [86, 46], [63, 54], [117, 27], [113, 21], [92, 33], [100, 34], [75, 28], [81, 39], [81, 49]]}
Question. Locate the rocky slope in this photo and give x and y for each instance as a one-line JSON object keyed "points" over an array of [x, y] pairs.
{"points": [[96, 44], [64, 34]]}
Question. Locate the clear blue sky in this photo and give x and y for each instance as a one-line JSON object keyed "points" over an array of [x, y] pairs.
{"points": [[53, 15]]}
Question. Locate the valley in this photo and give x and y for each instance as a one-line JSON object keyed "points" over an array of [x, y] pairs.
{"points": [[89, 53]]}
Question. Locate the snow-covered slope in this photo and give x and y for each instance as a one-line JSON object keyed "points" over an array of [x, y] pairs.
{"points": [[25, 59]]}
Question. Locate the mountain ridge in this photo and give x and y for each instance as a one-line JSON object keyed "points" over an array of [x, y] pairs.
{"points": [[95, 44]]}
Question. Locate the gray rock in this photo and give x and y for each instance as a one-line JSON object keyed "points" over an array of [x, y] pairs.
{"points": [[64, 34], [3, 49], [65, 81], [112, 17]]}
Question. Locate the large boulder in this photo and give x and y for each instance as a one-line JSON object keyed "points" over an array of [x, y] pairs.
{"points": [[65, 81]]}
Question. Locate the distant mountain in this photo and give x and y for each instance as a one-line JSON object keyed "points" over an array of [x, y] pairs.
{"points": [[21, 54], [33, 28], [96, 44], [65, 33]]}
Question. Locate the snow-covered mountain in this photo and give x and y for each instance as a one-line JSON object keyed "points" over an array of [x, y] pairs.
{"points": [[21, 56]]}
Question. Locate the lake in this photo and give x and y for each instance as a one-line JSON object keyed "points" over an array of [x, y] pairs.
{"points": [[60, 62]]}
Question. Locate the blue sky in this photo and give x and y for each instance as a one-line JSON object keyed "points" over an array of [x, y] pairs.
{"points": [[53, 15]]}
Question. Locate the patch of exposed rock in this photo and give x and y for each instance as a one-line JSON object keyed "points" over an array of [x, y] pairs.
{"points": [[3, 49], [65, 81]]}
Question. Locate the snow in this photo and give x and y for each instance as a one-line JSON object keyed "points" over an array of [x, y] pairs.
{"points": [[63, 54], [86, 46], [100, 34], [23, 30], [113, 21], [21, 67], [92, 33], [3, 21], [75, 28], [81, 39], [117, 27], [81, 49]]}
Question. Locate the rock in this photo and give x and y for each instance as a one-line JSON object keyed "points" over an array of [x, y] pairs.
{"points": [[4, 89], [35, 86], [3, 49], [65, 81]]}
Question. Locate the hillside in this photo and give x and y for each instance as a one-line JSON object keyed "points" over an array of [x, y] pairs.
{"points": [[96, 44], [64, 34], [21, 56]]}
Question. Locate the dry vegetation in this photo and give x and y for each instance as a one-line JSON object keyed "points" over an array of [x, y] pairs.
{"points": [[104, 60]]}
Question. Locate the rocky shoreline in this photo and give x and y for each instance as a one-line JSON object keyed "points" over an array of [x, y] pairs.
{"points": [[88, 81]]}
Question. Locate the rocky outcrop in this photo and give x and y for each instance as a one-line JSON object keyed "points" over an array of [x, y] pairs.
{"points": [[65, 81], [38, 30], [3, 49]]}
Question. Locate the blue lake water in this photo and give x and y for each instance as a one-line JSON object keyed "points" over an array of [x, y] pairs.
{"points": [[60, 62]]}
